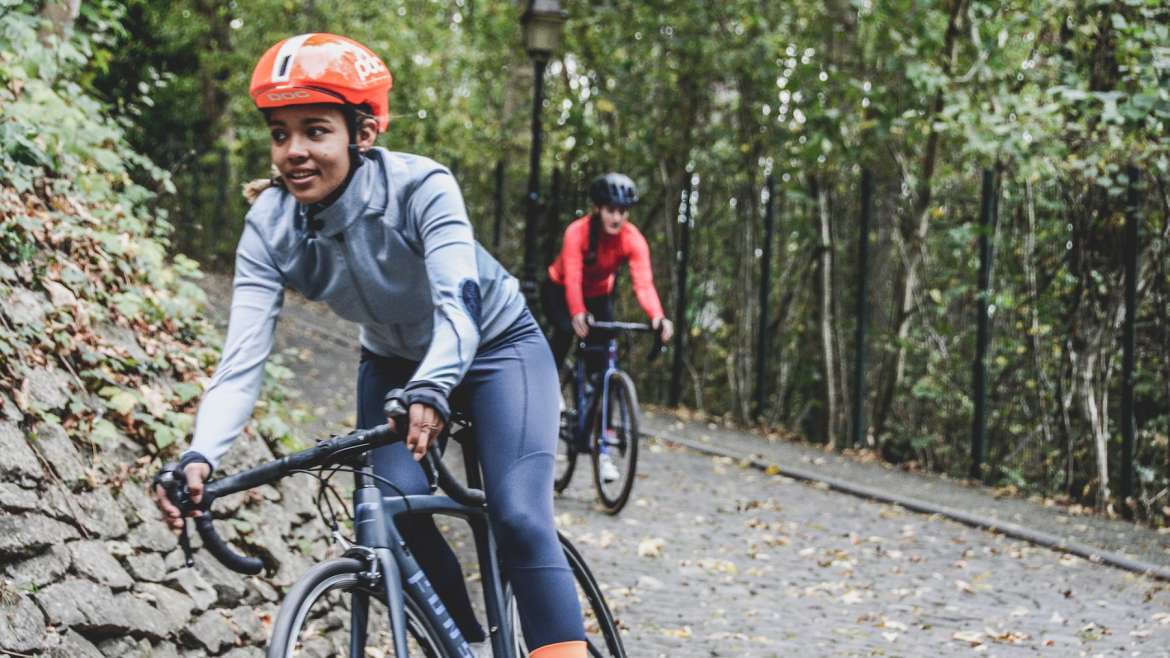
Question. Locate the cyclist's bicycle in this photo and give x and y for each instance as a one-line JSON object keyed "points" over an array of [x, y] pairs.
{"points": [[375, 600], [601, 418]]}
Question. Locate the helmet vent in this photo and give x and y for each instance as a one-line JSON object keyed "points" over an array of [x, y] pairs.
{"points": [[282, 65]]}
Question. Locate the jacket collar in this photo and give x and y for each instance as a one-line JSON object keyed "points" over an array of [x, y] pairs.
{"points": [[333, 219]]}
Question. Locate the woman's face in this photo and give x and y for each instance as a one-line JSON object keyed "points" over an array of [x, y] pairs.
{"points": [[612, 218], [310, 148]]}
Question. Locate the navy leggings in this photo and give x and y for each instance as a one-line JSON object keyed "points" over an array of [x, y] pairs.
{"points": [[510, 394]]}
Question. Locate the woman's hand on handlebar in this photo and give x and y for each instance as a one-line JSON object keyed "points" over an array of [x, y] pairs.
{"points": [[581, 324], [665, 329], [425, 425], [196, 473]]}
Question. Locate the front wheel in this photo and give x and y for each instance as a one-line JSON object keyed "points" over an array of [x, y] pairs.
{"points": [[615, 449], [335, 610]]}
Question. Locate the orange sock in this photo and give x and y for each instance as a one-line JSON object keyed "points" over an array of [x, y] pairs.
{"points": [[573, 649]]}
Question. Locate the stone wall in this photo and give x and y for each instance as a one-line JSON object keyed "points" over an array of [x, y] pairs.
{"points": [[87, 567]]}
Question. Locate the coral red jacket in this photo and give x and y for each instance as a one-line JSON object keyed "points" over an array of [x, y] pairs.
{"points": [[581, 280]]}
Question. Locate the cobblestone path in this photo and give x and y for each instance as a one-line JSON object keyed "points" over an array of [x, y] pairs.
{"points": [[712, 559]]}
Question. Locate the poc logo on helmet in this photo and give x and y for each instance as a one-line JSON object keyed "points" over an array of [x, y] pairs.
{"points": [[287, 95], [368, 66]]}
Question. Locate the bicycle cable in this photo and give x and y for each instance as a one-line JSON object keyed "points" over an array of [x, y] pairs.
{"points": [[401, 494], [327, 487]]}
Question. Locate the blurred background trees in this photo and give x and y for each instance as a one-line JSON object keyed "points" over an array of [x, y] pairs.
{"points": [[1059, 98]]}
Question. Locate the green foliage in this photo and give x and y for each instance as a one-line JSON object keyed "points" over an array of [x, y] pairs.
{"points": [[1061, 96], [82, 236]]}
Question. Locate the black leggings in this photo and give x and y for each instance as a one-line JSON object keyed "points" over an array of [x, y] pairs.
{"points": [[561, 336]]}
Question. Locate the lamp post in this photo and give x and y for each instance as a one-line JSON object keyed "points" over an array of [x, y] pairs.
{"points": [[543, 21]]}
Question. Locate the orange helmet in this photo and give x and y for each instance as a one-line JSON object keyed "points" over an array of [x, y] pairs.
{"points": [[322, 68]]}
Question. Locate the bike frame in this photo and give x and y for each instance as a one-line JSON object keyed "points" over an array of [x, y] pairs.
{"points": [[581, 431], [380, 543]]}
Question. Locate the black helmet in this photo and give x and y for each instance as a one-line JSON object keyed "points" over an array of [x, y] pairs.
{"points": [[613, 189]]}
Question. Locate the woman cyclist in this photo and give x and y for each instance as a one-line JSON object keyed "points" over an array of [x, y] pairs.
{"points": [[383, 238], [580, 282]]}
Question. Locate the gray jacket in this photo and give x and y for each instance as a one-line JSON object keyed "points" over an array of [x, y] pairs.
{"points": [[395, 254]]}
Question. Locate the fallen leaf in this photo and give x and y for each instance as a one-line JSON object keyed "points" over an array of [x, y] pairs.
{"points": [[718, 566], [975, 638], [651, 547], [851, 597], [606, 539], [1006, 637]]}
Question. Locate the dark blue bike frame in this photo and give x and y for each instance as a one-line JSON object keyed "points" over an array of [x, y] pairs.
{"points": [[584, 404], [375, 530]]}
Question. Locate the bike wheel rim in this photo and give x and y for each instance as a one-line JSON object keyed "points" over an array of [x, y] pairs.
{"points": [[616, 437], [348, 583]]}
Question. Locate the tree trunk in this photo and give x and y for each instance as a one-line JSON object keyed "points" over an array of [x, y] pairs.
{"points": [[1096, 426], [1162, 301], [745, 334], [60, 15], [825, 312], [1043, 386], [913, 235]]}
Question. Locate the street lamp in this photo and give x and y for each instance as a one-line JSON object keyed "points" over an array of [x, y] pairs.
{"points": [[543, 21]]}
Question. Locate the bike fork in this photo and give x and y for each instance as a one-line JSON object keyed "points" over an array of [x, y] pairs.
{"points": [[359, 615], [393, 585], [415, 582], [603, 409]]}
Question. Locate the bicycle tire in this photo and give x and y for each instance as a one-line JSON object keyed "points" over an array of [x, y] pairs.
{"points": [[291, 635], [565, 458], [607, 625], [606, 641], [623, 401]]}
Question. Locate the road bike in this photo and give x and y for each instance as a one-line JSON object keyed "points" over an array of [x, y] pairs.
{"points": [[601, 416], [375, 598]]}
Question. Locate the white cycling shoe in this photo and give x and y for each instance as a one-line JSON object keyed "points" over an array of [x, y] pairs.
{"points": [[609, 472]]}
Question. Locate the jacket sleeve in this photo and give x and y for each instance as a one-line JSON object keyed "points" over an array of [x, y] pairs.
{"points": [[257, 296], [435, 210], [573, 257], [642, 274]]}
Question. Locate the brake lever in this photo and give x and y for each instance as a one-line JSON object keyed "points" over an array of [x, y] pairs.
{"points": [[185, 544], [174, 483], [659, 347], [432, 469]]}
